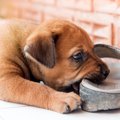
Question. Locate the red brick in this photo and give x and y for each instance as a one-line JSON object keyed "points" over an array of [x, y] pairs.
{"points": [[49, 2], [48, 17], [99, 40], [84, 5], [66, 3], [102, 31], [61, 13], [97, 18], [102, 34], [75, 4], [106, 6], [87, 26], [117, 32]]}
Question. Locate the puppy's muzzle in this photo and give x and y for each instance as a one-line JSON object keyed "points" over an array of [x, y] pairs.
{"points": [[104, 72], [99, 76], [95, 78]]}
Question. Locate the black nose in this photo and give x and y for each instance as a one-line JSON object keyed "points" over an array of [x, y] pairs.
{"points": [[104, 71]]}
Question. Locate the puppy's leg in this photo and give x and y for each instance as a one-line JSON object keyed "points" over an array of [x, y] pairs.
{"points": [[14, 88]]}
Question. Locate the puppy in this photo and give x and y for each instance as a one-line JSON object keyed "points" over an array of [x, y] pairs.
{"points": [[56, 52]]}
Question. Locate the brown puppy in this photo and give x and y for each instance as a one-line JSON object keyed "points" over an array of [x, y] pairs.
{"points": [[56, 52]]}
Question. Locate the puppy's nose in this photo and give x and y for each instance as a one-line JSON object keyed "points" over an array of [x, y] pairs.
{"points": [[104, 71]]}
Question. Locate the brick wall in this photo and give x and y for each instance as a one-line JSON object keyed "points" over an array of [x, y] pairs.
{"points": [[100, 18]]}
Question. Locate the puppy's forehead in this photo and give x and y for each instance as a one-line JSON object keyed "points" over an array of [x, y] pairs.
{"points": [[60, 26], [71, 36], [74, 40]]}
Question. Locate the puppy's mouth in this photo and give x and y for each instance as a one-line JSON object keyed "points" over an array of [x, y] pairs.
{"points": [[72, 88], [75, 87], [95, 78]]}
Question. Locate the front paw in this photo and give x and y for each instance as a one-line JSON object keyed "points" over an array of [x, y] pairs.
{"points": [[64, 102]]}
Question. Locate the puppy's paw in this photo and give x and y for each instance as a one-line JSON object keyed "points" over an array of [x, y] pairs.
{"points": [[64, 102]]}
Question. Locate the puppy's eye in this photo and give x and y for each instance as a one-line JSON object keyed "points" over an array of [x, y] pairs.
{"points": [[79, 57]]}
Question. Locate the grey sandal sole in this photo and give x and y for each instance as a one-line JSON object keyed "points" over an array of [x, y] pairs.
{"points": [[107, 95]]}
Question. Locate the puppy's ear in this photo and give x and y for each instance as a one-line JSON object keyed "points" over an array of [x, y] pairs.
{"points": [[42, 47]]}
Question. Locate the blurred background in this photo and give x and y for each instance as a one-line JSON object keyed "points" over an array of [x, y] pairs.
{"points": [[100, 18]]}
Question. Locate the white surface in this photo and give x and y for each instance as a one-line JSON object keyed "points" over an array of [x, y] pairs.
{"points": [[10, 111]]}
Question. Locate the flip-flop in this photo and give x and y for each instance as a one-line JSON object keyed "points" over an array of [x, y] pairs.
{"points": [[107, 95]]}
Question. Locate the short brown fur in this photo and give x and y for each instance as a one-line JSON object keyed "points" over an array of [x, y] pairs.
{"points": [[29, 53]]}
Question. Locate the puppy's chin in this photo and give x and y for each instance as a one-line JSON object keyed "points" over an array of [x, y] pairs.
{"points": [[71, 88], [95, 78]]}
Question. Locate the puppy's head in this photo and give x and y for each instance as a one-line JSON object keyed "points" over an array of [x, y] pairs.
{"points": [[62, 54]]}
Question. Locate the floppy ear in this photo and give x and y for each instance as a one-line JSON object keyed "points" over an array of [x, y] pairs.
{"points": [[42, 47]]}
